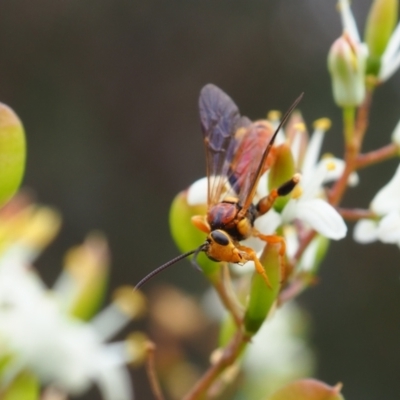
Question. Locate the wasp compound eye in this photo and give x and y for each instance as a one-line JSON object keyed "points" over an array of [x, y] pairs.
{"points": [[220, 238]]}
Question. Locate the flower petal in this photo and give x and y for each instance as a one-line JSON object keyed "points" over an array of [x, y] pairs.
{"points": [[322, 217], [312, 152], [291, 239], [387, 199], [388, 69], [308, 260], [389, 228], [348, 21], [334, 170], [114, 384], [269, 222], [197, 192], [365, 231], [390, 58]]}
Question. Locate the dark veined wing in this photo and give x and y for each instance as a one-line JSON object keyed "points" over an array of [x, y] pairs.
{"points": [[220, 119], [248, 164]]}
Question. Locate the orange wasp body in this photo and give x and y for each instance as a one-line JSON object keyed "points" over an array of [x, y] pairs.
{"points": [[238, 152]]}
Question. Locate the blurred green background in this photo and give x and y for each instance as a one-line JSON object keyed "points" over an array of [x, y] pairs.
{"points": [[107, 91]]}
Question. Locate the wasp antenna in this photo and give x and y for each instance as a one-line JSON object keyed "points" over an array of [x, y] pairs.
{"points": [[284, 118], [203, 247], [166, 265]]}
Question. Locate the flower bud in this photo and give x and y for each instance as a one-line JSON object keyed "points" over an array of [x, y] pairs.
{"points": [[308, 389], [281, 171], [24, 386], [347, 64], [380, 24], [186, 236], [12, 153], [263, 297], [136, 345], [87, 266], [40, 228]]}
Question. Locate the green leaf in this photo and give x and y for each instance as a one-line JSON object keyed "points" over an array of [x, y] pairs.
{"points": [[25, 387], [308, 389], [186, 236], [263, 297], [281, 171], [12, 153]]}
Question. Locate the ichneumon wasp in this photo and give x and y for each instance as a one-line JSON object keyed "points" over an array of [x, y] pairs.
{"points": [[238, 153]]}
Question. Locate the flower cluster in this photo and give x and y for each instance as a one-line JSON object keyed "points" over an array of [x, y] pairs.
{"points": [[356, 65], [52, 333], [301, 221], [307, 208], [386, 207]]}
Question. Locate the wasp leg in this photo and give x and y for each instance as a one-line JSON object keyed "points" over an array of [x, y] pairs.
{"points": [[200, 222], [275, 239], [250, 255], [267, 202]]}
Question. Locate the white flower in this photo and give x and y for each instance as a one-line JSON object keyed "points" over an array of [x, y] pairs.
{"points": [[197, 192], [386, 205], [281, 341], [311, 207], [390, 60], [365, 231], [59, 349], [311, 257], [387, 199]]}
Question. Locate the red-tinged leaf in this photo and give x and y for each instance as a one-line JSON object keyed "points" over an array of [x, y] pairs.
{"points": [[308, 389], [12, 153]]}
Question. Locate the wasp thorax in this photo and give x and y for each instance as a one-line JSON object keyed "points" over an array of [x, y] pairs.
{"points": [[225, 216], [222, 215]]}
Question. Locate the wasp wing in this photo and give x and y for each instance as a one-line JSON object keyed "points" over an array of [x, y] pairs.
{"points": [[249, 163], [256, 160], [220, 119]]}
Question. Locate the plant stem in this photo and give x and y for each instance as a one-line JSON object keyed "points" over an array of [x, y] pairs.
{"points": [[355, 214], [354, 131], [151, 371], [227, 297], [384, 153], [228, 357], [349, 114]]}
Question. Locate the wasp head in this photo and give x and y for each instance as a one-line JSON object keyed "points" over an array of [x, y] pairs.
{"points": [[221, 247]]}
